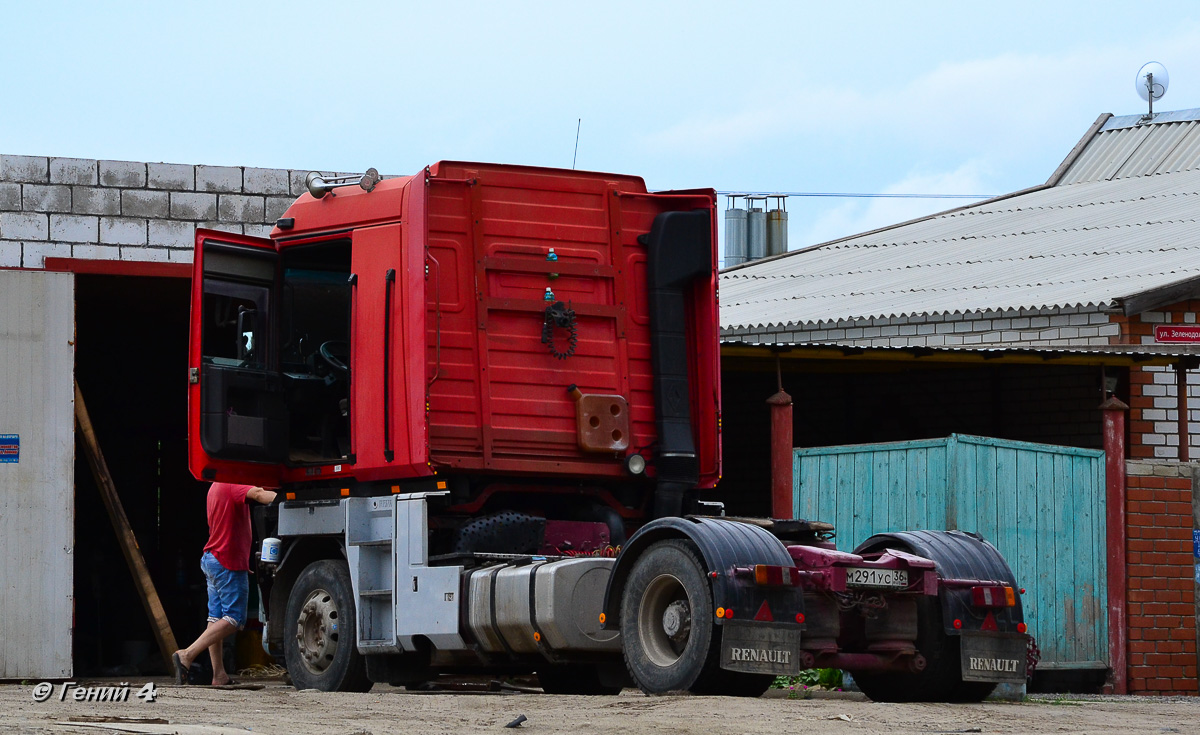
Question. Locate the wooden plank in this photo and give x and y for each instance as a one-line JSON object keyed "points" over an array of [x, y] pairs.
{"points": [[878, 521], [967, 481], [1007, 493], [1100, 553], [844, 512], [827, 501], [128, 542], [1047, 604], [915, 493], [1083, 567], [1064, 573], [898, 490], [861, 502], [937, 485], [1027, 538], [986, 488]]}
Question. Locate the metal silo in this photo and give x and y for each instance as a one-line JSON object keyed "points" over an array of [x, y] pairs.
{"points": [[777, 227], [756, 228], [735, 232]]}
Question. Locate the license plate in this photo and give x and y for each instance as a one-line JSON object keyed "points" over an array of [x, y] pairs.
{"points": [[859, 577]]}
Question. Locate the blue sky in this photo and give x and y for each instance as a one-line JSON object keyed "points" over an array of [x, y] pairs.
{"points": [[947, 98]]}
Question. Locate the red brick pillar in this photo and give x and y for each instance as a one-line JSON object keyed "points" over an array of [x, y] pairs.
{"points": [[1113, 411]]}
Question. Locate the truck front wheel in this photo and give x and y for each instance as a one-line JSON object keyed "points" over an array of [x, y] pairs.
{"points": [[320, 631], [667, 620]]}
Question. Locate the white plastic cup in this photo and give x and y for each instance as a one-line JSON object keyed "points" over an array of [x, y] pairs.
{"points": [[270, 550]]}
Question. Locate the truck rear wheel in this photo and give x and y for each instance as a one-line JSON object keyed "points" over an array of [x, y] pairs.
{"points": [[667, 628], [320, 632]]}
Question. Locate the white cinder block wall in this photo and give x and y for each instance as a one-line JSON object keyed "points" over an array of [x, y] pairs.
{"points": [[127, 210]]}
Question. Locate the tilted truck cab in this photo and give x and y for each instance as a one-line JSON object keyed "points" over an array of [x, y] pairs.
{"points": [[490, 396]]}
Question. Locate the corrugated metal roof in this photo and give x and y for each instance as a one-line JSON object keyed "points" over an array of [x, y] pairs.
{"points": [[1121, 221], [1127, 146]]}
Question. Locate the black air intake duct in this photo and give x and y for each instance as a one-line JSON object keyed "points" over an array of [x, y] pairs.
{"points": [[679, 250]]}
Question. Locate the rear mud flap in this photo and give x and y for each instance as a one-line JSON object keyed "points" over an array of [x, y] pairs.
{"points": [[758, 648], [994, 657]]}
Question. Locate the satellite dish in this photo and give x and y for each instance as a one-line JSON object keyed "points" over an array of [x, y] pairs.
{"points": [[1152, 77], [1151, 84]]}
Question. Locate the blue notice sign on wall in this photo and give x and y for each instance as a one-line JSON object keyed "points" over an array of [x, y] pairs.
{"points": [[1196, 544], [10, 448]]}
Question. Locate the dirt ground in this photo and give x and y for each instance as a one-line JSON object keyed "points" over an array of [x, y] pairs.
{"points": [[280, 709]]}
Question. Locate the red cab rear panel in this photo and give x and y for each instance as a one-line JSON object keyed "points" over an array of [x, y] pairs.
{"points": [[453, 271]]}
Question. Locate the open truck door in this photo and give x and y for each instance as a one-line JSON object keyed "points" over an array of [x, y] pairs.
{"points": [[235, 395]]}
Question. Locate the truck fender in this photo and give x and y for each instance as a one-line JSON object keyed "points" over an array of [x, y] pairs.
{"points": [[723, 544], [298, 553], [958, 555]]}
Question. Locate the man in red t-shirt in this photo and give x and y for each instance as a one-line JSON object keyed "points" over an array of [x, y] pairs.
{"points": [[226, 566]]}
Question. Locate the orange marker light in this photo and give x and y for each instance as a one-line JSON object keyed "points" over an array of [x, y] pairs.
{"points": [[290, 496], [1010, 599], [537, 637], [720, 612], [441, 485], [602, 618], [345, 492], [395, 489]]}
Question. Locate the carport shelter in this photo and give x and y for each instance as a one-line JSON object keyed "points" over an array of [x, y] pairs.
{"points": [[1014, 319]]}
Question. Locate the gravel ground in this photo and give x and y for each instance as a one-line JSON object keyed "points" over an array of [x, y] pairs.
{"points": [[278, 708]]}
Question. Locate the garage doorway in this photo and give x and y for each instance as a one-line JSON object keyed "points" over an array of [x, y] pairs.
{"points": [[130, 363]]}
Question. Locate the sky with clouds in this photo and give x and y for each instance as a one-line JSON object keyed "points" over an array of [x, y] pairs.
{"points": [[926, 98]]}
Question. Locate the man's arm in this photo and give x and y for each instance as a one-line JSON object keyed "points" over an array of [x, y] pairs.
{"points": [[260, 495]]}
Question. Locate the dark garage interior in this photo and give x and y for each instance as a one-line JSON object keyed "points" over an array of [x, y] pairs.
{"points": [[131, 360]]}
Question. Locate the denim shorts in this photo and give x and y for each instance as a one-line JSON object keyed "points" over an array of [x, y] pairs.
{"points": [[228, 592]]}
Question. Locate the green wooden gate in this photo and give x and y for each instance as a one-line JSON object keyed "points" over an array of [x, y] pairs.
{"points": [[1041, 505]]}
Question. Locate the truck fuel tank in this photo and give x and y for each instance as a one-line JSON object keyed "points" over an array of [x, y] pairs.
{"points": [[567, 595]]}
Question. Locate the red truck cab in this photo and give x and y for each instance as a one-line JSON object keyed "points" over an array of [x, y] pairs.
{"points": [[474, 319]]}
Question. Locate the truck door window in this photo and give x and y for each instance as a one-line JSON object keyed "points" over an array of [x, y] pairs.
{"points": [[235, 319]]}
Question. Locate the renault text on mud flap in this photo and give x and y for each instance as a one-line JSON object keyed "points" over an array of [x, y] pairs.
{"points": [[761, 655], [1009, 665]]}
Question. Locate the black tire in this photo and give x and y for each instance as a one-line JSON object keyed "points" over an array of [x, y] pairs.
{"points": [[573, 679], [669, 574], [324, 658]]}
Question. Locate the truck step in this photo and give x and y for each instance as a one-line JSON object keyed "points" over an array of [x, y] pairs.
{"points": [[378, 542], [375, 593]]}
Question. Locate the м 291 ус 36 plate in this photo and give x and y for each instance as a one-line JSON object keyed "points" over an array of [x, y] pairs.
{"points": [[891, 578]]}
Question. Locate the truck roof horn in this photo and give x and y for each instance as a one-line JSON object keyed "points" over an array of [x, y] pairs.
{"points": [[319, 184]]}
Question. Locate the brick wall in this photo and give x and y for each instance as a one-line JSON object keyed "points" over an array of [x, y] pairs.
{"points": [[1161, 588], [125, 210], [1153, 397]]}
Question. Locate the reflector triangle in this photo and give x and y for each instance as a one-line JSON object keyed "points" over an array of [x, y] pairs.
{"points": [[989, 622], [764, 613]]}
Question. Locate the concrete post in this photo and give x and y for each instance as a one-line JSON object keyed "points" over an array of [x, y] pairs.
{"points": [[1113, 411]]}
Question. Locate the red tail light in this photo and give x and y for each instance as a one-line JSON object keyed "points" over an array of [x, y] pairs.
{"points": [[989, 596], [773, 576]]}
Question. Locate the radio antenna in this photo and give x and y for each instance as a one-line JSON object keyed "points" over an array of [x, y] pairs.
{"points": [[575, 156]]}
